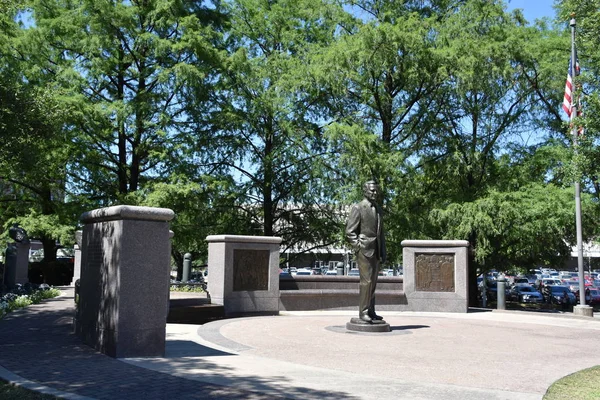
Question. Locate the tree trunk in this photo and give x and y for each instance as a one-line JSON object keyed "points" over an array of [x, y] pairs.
{"points": [[122, 135], [49, 249], [178, 257], [268, 182]]}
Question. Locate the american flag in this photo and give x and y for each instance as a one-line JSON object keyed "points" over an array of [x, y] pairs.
{"points": [[568, 99]]}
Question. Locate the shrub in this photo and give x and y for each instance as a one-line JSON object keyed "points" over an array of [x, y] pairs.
{"points": [[187, 288], [23, 296]]}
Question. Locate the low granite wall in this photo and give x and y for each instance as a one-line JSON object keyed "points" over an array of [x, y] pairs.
{"points": [[435, 279], [323, 292]]}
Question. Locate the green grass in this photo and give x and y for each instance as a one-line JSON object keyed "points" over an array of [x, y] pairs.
{"points": [[582, 385], [11, 392]]}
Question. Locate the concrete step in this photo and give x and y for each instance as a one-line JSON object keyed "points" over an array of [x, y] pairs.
{"points": [[195, 314], [193, 308]]}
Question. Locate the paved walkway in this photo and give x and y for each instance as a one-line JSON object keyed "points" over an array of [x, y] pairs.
{"points": [[479, 355]]}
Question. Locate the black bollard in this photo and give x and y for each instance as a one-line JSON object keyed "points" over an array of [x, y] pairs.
{"points": [[187, 264]]}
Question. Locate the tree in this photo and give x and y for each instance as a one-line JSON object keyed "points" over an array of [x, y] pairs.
{"points": [[587, 88], [34, 150], [486, 106], [205, 206], [125, 66], [520, 229], [266, 131], [382, 72]]}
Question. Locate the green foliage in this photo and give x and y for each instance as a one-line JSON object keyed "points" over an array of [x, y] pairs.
{"points": [[33, 158], [9, 303], [202, 208], [39, 225], [187, 288], [256, 117], [267, 135], [19, 302], [524, 228], [587, 15], [124, 67], [13, 392], [39, 295]]}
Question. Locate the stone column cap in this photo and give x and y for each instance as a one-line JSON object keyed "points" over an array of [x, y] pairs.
{"points": [[244, 239], [435, 243], [128, 212]]}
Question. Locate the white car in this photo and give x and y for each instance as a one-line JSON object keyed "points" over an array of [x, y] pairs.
{"points": [[331, 272], [551, 282], [353, 272], [304, 271]]}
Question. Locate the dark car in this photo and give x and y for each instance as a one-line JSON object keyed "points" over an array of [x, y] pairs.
{"points": [[491, 290], [283, 273], [525, 294], [594, 296], [562, 295]]}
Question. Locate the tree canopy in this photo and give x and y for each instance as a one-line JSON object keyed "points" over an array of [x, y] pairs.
{"points": [[265, 117]]}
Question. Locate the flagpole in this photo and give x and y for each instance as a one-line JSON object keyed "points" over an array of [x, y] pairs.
{"points": [[583, 309]]}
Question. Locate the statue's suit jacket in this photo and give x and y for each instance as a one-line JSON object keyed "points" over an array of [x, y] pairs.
{"points": [[364, 230]]}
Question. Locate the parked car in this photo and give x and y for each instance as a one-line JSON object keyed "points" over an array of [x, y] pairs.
{"points": [[594, 296], [558, 295], [573, 283], [353, 272], [551, 282], [525, 294], [62, 254], [304, 271], [588, 295], [331, 272], [491, 290], [283, 273], [522, 281]]}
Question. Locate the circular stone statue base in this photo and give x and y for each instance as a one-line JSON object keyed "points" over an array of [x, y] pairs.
{"points": [[358, 325]]}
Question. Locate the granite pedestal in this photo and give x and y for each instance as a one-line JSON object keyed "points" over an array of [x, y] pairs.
{"points": [[244, 273], [124, 292], [17, 264], [436, 275]]}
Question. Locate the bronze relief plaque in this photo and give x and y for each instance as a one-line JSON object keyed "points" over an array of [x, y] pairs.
{"points": [[250, 270], [434, 272]]}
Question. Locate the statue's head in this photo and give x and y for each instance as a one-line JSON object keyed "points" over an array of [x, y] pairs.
{"points": [[17, 233], [371, 191]]}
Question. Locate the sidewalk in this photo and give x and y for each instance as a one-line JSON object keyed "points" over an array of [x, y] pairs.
{"points": [[442, 356]]}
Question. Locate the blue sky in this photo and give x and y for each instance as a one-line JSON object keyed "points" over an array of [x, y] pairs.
{"points": [[533, 9]]}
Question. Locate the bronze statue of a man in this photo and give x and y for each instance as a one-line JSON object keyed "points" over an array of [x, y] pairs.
{"points": [[364, 231]]}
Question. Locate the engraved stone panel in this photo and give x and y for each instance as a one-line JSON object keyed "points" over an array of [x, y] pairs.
{"points": [[250, 270], [434, 272]]}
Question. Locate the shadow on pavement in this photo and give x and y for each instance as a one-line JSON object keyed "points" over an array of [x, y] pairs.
{"points": [[37, 344], [408, 327]]}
